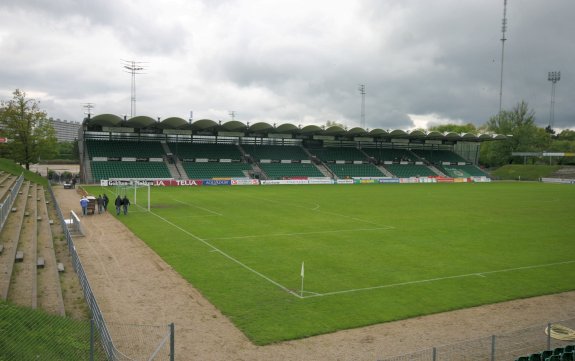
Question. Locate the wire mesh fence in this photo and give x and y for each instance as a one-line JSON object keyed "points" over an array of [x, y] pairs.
{"points": [[503, 347], [28, 334]]}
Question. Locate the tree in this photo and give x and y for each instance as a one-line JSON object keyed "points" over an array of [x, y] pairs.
{"points": [[28, 129], [523, 136], [454, 128]]}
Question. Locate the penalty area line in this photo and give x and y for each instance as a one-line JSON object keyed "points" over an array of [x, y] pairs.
{"points": [[216, 249], [476, 274]]}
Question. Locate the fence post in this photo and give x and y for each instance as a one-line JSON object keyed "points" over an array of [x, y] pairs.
{"points": [[434, 354], [172, 343], [549, 336], [91, 339], [493, 348]]}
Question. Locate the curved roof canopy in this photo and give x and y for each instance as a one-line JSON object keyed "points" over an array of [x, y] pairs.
{"points": [[208, 126], [104, 120], [261, 127], [140, 122], [173, 123]]}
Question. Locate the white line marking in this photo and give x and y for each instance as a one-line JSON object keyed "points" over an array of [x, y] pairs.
{"points": [[198, 207], [481, 274], [304, 233], [215, 249]]}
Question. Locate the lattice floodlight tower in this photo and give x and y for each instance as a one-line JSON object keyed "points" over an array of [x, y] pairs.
{"points": [[553, 77], [133, 67]]}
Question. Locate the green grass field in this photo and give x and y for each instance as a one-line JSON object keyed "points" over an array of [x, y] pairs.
{"points": [[372, 253]]}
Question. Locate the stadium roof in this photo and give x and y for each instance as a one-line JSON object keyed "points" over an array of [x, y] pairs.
{"points": [[263, 129]]}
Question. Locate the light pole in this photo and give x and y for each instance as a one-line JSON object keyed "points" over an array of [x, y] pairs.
{"points": [[503, 39], [133, 67], [553, 77], [362, 92]]}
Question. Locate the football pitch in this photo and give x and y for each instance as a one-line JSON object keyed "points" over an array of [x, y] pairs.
{"points": [[367, 253]]}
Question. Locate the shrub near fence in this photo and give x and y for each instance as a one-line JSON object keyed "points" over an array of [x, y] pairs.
{"points": [[503, 347]]}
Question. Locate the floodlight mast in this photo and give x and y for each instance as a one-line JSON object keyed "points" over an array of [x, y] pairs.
{"points": [[133, 67], [553, 77], [362, 92], [88, 107], [503, 39], [233, 114]]}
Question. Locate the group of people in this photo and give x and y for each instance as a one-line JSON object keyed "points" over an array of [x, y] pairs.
{"points": [[122, 203], [102, 203]]}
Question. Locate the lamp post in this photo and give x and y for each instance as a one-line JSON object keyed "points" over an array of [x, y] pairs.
{"points": [[553, 77]]}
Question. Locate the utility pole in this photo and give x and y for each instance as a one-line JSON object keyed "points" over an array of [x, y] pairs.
{"points": [[362, 92], [233, 114], [133, 67], [553, 77]]}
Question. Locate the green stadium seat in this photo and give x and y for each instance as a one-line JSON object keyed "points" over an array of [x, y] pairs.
{"points": [[553, 358], [567, 356], [558, 351], [535, 357], [546, 354], [570, 348]]}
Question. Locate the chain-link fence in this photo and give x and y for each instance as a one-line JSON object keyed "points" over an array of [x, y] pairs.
{"points": [[119, 342], [503, 347], [27, 334]]}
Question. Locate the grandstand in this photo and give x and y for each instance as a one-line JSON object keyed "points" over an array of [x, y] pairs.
{"points": [[142, 148]]}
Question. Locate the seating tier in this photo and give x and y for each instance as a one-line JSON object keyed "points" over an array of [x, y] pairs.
{"points": [[200, 170], [409, 170], [124, 149], [106, 170], [355, 170], [283, 170]]}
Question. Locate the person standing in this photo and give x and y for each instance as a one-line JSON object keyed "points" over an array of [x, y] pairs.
{"points": [[125, 204], [84, 205], [100, 202], [118, 204], [106, 201]]}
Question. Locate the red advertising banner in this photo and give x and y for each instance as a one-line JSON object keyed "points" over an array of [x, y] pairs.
{"points": [[177, 182]]}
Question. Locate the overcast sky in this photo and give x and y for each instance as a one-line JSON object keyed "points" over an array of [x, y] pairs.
{"points": [[299, 61]]}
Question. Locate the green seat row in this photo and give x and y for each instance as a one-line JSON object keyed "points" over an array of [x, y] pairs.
{"points": [[338, 153], [107, 170], [437, 156], [124, 149], [355, 170], [275, 152], [205, 151], [409, 170], [200, 170], [390, 154], [283, 170], [462, 171]]}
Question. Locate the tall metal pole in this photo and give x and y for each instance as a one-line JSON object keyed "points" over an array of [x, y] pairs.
{"points": [[503, 39], [362, 92], [553, 77], [133, 67]]}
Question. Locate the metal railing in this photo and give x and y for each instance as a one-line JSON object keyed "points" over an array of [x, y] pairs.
{"points": [[6, 206]]}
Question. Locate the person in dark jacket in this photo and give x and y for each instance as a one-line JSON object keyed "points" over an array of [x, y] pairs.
{"points": [[106, 201], [125, 204], [118, 204]]}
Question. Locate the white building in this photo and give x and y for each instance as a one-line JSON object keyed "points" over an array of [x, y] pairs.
{"points": [[66, 131]]}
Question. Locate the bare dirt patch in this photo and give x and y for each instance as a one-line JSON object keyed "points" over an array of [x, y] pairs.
{"points": [[133, 285]]}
